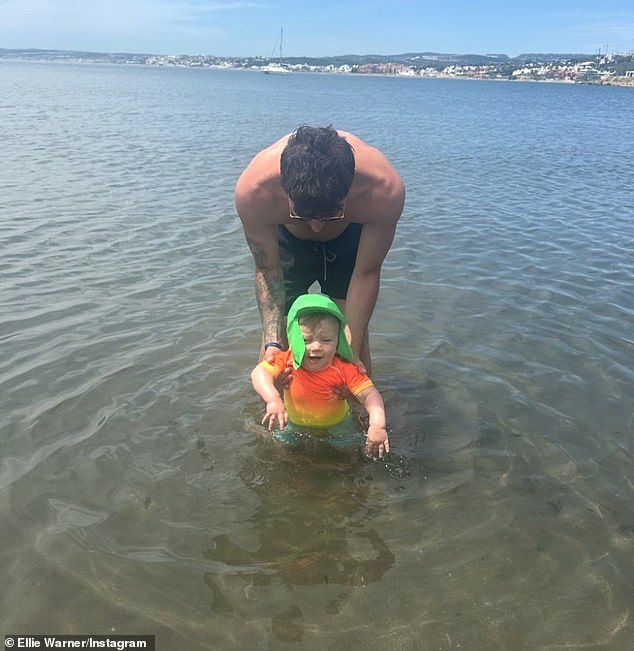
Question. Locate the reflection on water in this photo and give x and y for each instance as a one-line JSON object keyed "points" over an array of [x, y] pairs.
{"points": [[136, 491], [313, 527]]}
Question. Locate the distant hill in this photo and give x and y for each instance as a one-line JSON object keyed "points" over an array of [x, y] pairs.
{"points": [[71, 55], [434, 59], [421, 59]]}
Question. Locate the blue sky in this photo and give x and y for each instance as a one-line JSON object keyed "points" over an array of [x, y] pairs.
{"points": [[324, 28]]}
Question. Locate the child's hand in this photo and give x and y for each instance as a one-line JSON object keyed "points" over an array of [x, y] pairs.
{"points": [[275, 409], [377, 442]]}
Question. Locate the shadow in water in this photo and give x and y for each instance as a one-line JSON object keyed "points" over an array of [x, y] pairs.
{"points": [[312, 540], [313, 528]]}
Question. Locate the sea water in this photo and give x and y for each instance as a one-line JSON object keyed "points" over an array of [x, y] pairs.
{"points": [[137, 494]]}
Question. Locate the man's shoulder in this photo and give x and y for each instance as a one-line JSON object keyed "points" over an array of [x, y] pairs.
{"points": [[267, 161], [378, 192], [259, 173], [259, 190], [263, 171]]}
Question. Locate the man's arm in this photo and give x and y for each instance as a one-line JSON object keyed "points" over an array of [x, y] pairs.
{"points": [[363, 290], [380, 204], [253, 203], [269, 280], [257, 197]]}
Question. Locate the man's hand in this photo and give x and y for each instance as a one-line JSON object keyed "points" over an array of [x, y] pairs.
{"points": [[270, 352], [283, 380], [360, 365], [341, 391]]}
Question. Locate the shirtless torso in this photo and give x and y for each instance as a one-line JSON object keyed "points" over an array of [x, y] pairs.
{"points": [[375, 201]]}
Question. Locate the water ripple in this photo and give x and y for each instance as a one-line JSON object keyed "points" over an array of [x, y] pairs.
{"points": [[130, 464]]}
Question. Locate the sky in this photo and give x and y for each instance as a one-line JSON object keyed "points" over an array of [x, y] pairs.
{"points": [[231, 28]]}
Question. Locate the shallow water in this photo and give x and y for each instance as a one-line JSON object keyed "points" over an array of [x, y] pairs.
{"points": [[136, 492]]}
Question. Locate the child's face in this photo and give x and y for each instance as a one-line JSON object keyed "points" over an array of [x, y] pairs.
{"points": [[321, 339]]}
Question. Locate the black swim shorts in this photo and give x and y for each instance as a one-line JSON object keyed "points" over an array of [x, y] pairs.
{"points": [[329, 263]]}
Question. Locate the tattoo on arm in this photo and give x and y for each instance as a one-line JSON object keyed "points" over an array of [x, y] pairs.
{"points": [[258, 252], [269, 292]]}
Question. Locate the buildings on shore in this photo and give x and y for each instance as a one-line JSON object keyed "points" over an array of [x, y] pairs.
{"points": [[609, 69]]}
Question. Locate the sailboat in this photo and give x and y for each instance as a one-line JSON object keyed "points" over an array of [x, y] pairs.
{"points": [[277, 68]]}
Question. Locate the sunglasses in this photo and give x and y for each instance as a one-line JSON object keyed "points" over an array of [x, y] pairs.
{"points": [[333, 218]]}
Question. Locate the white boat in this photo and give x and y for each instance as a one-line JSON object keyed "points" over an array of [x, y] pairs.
{"points": [[277, 68]]}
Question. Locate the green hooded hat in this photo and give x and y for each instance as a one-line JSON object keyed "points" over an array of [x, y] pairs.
{"points": [[307, 304]]}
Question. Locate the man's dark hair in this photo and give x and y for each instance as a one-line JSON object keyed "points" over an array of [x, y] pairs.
{"points": [[317, 170]]}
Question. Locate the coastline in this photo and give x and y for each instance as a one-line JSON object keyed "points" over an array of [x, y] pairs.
{"points": [[623, 82], [612, 70]]}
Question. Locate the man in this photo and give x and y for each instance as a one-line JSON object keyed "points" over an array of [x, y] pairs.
{"points": [[319, 204]]}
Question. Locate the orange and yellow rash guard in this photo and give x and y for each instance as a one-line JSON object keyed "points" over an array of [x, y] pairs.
{"points": [[309, 398]]}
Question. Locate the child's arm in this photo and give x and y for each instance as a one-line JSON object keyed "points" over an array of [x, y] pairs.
{"points": [[378, 442], [263, 383]]}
